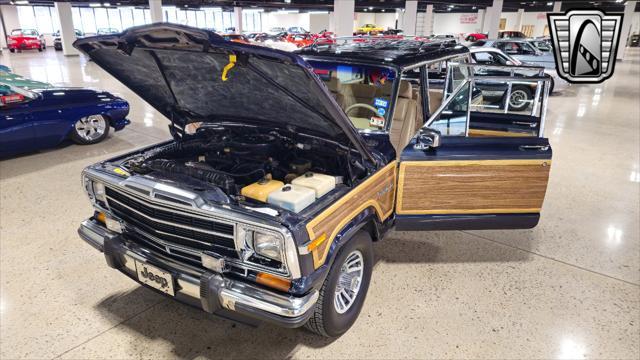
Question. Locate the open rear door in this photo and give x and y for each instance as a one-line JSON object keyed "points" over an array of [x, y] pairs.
{"points": [[450, 179]]}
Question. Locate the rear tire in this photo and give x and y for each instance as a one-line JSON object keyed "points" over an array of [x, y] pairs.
{"points": [[40, 49], [521, 97], [12, 50], [90, 130], [333, 314]]}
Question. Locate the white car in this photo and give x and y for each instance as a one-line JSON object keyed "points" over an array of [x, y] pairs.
{"points": [[493, 56]]}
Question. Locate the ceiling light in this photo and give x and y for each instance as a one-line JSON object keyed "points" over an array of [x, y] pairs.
{"points": [[287, 1], [95, 4], [370, 7], [549, 3], [106, 4], [21, 2]]}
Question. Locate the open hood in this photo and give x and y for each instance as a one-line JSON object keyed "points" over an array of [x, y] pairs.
{"points": [[194, 75]]}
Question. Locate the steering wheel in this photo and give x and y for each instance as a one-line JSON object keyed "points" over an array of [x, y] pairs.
{"points": [[361, 105]]}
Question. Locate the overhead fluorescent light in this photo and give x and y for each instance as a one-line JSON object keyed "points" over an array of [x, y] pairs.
{"points": [[287, 12], [21, 2], [318, 12], [106, 4], [95, 4], [253, 10]]}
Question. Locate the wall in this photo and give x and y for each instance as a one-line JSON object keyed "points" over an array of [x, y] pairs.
{"points": [[273, 19], [383, 20], [449, 23], [319, 22]]}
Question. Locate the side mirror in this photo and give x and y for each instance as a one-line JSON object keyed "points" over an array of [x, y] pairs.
{"points": [[427, 139]]}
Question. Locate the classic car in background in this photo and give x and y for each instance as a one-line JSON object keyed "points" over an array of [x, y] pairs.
{"points": [[634, 40], [300, 40], [475, 37], [297, 30], [36, 119], [57, 40], [521, 49], [107, 31], [25, 39], [494, 56], [269, 210], [369, 29], [511, 34], [9, 78], [239, 38]]}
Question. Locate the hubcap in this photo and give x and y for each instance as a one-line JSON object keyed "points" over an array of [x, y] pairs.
{"points": [[91, 127], [349, 282], [518, 98]]}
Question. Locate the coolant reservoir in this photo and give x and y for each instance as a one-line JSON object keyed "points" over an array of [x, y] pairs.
{"points": [[320, 183], [260, 190], [292, 197]]}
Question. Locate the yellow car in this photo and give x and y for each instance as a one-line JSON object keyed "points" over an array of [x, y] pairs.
{"points": [[369, 28]]}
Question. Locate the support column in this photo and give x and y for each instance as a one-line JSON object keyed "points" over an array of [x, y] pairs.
{"points": [[520, 19], [481, 20], [493, 17], [3, 35], [428, 20], [155, 10], [399, 19], [237, 15], [67, 32], [557, 6], [410, 17], [627, 19], [343, 15]]}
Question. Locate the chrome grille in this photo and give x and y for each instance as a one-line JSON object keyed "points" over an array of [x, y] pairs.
{"points": [[182, 235]]}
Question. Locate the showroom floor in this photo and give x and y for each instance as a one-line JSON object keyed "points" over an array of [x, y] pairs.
{"points": [[569, 288]]}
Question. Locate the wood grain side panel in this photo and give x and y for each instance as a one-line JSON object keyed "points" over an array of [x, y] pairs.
{"points": [[480, 187], [377, 192]]}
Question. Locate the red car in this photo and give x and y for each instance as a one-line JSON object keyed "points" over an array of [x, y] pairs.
{"points": [[476, 37], [25, 39], [300, 40]]}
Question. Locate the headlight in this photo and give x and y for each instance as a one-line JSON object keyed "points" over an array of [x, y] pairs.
{"points": [[268, 245], [98, 192]]}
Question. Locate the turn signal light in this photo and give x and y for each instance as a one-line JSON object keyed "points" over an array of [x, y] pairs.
{"points": [[273, 281], [101, 217], [316, 242]]}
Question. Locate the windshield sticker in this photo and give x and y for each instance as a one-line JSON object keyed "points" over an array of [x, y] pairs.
{"points": [[380, 103], [376, 122], [382, 111]]}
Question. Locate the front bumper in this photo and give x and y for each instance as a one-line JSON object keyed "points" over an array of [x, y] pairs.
{"points": [[212, 292]]}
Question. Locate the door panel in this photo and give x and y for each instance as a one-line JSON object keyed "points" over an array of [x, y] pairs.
{"points": [[472, 187]]}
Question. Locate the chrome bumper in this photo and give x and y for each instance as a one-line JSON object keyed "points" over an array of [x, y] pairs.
{"points": [[210, 291]]}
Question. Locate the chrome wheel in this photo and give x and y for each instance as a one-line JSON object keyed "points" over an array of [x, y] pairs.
{"points": [[91, 128], [349, 281], [518, 99]]}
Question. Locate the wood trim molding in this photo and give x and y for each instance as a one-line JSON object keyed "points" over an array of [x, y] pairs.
{"points": [[377, 192], [472, 187]]}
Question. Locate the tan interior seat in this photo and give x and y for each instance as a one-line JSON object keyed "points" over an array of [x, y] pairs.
{"points": [[337, 90], [403, 125], [419, 114], [359, 94], [435, 99]]}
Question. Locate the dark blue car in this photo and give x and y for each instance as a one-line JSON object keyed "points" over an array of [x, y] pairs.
{"points": [[31, 120]]}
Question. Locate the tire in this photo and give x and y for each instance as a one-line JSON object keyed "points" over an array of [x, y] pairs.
{"points": [[551, 86], [12, 50], [40, 49], [521, 97], [327, 320], [90, 130]]}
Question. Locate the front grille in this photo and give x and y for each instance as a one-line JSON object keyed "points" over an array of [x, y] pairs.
{"points": [[180, 235]]}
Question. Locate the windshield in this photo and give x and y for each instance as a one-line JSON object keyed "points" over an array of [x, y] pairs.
{"points": [[364, 92], [13, 95], [24, 32], [493, 58]]}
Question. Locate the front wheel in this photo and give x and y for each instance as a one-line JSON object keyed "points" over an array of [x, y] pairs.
{"points": [[90, 130], [12, 50], [345, 288]]}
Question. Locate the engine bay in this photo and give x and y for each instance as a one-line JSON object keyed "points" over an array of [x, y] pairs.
{"points": [[251, 166]]}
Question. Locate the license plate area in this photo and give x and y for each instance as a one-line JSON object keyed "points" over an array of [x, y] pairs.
{"points": [[154, 277]]}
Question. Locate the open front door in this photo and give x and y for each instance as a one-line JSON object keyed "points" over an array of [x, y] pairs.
{"points": [[449, 179]]}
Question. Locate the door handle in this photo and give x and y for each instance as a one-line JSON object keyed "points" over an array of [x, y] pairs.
{"points": [[534, 147], [530, 124]]}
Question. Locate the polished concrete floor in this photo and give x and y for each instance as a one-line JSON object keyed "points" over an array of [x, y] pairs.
{"points": [[570, 288]]}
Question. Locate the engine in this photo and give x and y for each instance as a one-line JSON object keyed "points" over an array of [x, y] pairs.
{"points": [[259, 168]]}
